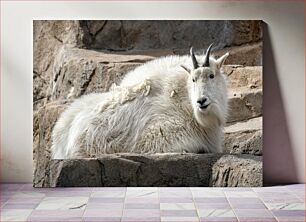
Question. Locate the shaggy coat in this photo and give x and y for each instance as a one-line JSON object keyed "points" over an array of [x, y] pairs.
{"points": [[154, 110]]}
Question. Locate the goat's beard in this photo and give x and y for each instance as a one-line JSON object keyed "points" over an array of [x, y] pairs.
{"points": [[209, 116]]}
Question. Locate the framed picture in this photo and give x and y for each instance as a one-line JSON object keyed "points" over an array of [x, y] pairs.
{"points": [[147, 103]]}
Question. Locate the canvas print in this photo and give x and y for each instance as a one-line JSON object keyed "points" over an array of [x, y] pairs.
{"points": [[147, 103]]}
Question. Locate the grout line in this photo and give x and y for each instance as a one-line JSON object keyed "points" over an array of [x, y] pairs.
{"points": [[229, 203], [37, 204], [87, 203], [5, 202], [265, 205], [123, 206], [158, 196], [298, 197], [196, 207], [30, 214]]}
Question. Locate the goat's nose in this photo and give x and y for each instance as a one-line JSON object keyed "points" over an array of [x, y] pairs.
{"points": [[202, 100]]}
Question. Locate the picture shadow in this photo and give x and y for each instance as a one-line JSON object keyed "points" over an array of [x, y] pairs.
{"points": [[278, 160]]}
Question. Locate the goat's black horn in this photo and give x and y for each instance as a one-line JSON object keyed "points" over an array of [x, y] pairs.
{"points": [[206, 62], [194, 60]]}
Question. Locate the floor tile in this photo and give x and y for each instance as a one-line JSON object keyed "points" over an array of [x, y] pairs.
{"points": [[224, 205], [25, 200], [291, 219], [141, 206], [142, 189], [237, 189], [101, 219], [281, 200], [15, 214], [27, 194], [105, 200], [296, 186], [240, 194], [208, 193], [253, 213], [274, 189], [55, 219], [177, 206], [216, 213], [236, 205], [109, 189], [206, 188], [10, 186], [140, 219], [176, 200], [271, 197], [98, 205], [271, 194], [62, 203], [20, 206], [300, 195], [142, 192], [68, 194], [177, 189], [289, 213], [6, 195], [218, 219], [106, 193], [142, 200], [247, 200], [285, 206], [266, 204], [174, 192], [256, 219], [178, 219], [64, 189], [142, 213], [3, 200], [56, 214], [210, 200], [28, 187], [103, 212], [178, 213]]}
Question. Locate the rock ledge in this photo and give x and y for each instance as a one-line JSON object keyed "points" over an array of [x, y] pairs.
{"points": [[158, 170]]}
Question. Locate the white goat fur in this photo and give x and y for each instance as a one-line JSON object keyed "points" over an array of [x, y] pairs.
{"points": [[153, 111]]}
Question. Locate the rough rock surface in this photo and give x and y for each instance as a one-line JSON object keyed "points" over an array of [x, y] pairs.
{"points": [[73, 58], [234, 171], [72, 173], [244, 137], [43, 122], [48, 38], [126, 35], [158, 170], [79, 71], [246, 55], [245, 105]]}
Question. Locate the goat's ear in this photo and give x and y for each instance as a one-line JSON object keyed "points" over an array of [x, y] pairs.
{"points": [[219, 62], [186, 69]]}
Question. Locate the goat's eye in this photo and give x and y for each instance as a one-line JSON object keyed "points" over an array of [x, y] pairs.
{"points": [[193, 80], [211, 76]]}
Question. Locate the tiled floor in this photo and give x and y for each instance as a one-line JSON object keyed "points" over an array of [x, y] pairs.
{"points": [[21, 202]]}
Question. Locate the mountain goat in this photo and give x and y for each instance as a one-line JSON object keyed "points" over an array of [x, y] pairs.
{"points": [[170, 104]]}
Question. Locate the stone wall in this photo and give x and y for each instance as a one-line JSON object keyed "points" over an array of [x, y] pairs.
{"points": [[73, 58]]}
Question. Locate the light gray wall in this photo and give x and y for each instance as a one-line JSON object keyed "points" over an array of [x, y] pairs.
{"points": [[284, 60]]}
